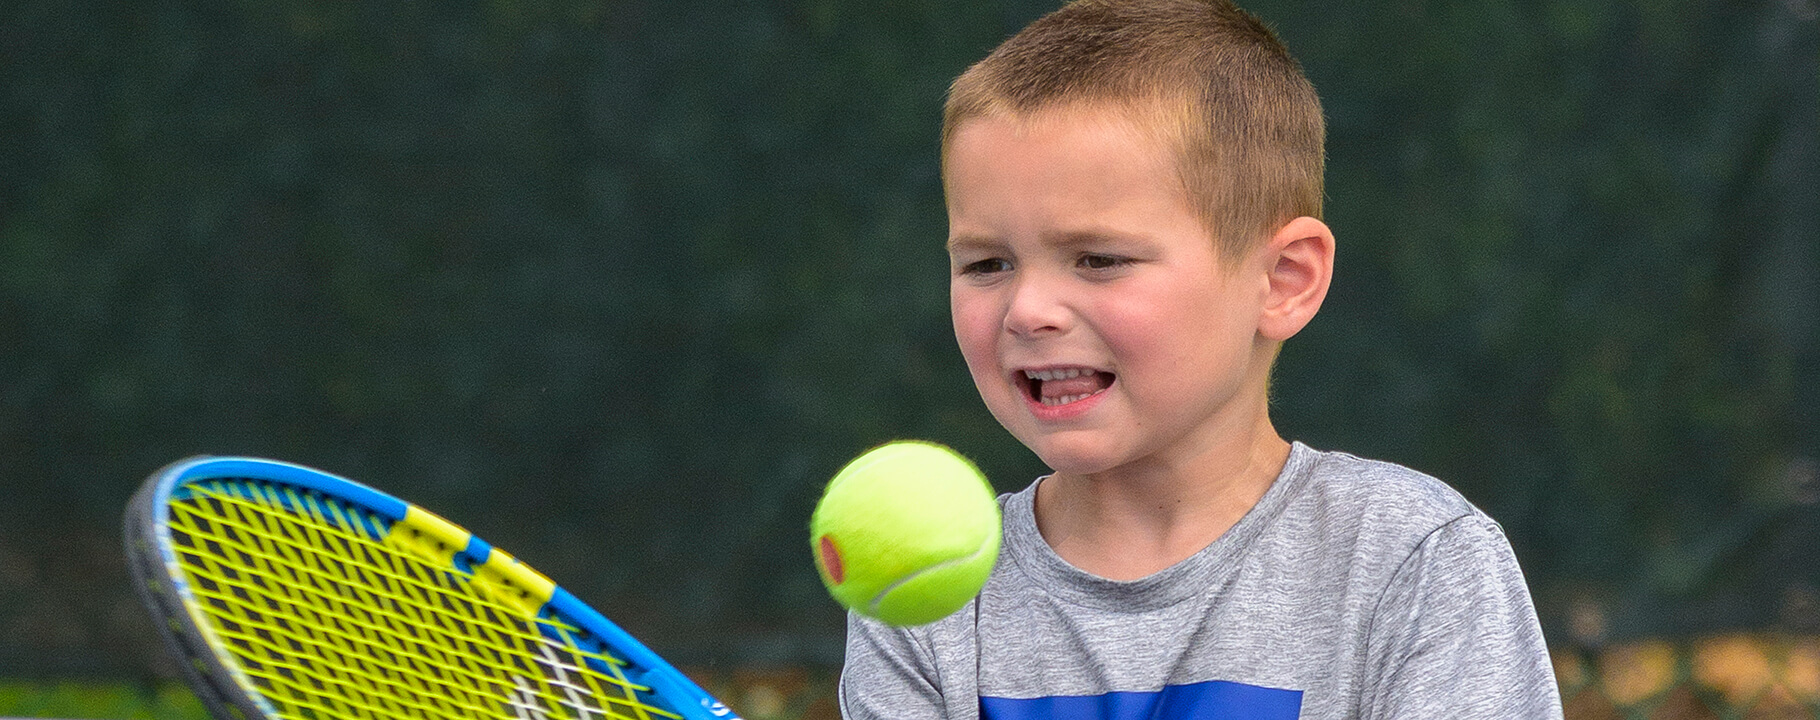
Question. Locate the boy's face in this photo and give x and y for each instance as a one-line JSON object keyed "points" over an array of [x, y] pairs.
{"points": [[1101, 326]]}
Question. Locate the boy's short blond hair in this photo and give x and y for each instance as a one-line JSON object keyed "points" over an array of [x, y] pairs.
{"points": [[1210, 78]]}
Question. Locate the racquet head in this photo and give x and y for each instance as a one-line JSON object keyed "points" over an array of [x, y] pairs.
{"points": [[293, 594]]}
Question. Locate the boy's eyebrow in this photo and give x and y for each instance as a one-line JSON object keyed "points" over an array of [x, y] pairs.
{"points": [[1075, 238], [1096, 236], [960, 242]]}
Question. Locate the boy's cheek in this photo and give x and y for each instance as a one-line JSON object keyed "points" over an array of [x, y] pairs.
{"points": [[986, 378], [975, 329]]}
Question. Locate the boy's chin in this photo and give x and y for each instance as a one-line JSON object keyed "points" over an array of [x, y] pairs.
{"points": [[1066, 452], [1073, 458]]}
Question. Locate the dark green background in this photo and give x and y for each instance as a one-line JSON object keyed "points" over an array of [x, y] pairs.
{"points": [[619, 283]]}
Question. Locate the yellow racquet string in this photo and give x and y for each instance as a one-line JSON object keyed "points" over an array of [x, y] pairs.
{"points": [[327, 622], [365, 632]]}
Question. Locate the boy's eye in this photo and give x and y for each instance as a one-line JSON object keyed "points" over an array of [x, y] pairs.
{"points": [[985, 267], [1100, 262]]}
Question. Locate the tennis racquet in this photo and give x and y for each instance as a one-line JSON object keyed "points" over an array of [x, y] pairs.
{"points": [[293, 594]]}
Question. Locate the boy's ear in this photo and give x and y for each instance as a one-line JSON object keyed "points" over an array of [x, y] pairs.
{"points": [[1300, 267]]}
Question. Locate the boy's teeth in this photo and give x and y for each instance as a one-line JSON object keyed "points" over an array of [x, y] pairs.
{"points": [[1066, 385], [1054, 374]]}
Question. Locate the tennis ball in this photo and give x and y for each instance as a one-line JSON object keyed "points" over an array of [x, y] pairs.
{"points": [[906, 533]]}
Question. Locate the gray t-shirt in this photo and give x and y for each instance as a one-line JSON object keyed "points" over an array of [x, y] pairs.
{"points": [[1353, 589]]}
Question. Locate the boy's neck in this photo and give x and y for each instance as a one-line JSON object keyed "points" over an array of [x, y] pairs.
{"points": [[1136, 521]]}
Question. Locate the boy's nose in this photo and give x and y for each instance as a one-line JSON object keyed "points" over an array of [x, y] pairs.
{"points": [[1036, 309]]}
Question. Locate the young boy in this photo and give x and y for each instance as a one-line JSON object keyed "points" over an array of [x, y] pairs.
{"points": [[1133, 189]]}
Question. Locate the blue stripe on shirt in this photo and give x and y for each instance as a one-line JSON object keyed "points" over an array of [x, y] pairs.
{"points": [[1211, 700]]}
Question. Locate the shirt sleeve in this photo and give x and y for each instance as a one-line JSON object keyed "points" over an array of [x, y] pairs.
{"points": [[1455, 634], [889, 674]]}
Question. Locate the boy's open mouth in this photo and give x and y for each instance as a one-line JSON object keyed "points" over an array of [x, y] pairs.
{"points": [[1060, 386]]}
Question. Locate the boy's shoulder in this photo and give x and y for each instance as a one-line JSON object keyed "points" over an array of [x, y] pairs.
{"points": [[1340, 499], [1346, 481]]}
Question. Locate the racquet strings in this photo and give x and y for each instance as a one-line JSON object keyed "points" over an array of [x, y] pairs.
{"points": [[328, 620]]}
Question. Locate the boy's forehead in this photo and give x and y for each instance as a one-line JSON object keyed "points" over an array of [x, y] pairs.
{"points": [[1150, 118], [1051, 142], [1070, 172], [1146, 126], [1058, 140]]}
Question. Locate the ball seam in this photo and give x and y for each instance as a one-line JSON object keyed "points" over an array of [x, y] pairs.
{"points": [[872, 605]]}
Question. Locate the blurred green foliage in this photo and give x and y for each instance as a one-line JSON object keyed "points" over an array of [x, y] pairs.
{"points": [[99, 700], [619, 283]]}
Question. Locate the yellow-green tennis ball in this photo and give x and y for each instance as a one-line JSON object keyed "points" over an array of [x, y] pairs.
{"points": [[906, 533]]}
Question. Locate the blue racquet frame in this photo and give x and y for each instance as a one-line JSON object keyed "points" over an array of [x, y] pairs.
{"points": [[227, 690]]}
